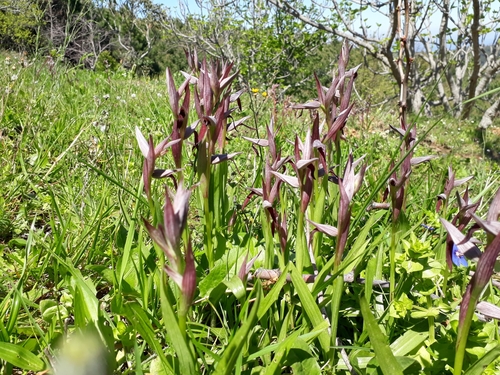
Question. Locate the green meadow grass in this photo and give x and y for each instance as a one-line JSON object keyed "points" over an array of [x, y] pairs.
{"points": [[82, 285]]}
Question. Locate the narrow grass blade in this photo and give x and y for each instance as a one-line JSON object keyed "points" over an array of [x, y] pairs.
{"points": [[233, 350], [274, 294], [281, 350], [20, 357], [140, 321], [386, 358], [307, 337]]}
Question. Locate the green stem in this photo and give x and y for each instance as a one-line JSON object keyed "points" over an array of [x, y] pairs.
{"points": [[392, 260], [268, 238], [301, 245], [432, 332], [463, 332], [320, 189], [338, 285], [208, 231], [441, 253]]}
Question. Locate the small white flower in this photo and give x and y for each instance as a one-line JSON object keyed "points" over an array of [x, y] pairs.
{"points": [[118, 97], [133, 96], [102, 128], [159, 95], [458, 129], [148, 119], [13, 77], [105, 96]]}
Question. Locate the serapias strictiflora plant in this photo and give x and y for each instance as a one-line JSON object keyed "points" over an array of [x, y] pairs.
{"points": [[484, 269]]}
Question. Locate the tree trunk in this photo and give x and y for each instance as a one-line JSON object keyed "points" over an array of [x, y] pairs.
{"points": [[489, 115]]}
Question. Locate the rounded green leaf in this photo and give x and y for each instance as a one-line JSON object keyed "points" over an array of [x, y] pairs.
{"points": [[20, 357]]}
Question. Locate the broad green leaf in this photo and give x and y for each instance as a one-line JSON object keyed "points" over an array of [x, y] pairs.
{"points": [[233, 350], [220, 272], [409, 365], [301, 360], [310, 306], [410, 341], [478, 367], [85, 300], [20, 357], [235, 285], [378, 340]]}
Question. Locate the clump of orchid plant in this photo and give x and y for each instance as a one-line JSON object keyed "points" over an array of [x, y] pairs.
{"points": [[212, 100], [167, 234], [484, 269]]}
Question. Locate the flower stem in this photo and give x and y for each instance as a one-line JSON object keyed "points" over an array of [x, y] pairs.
{"points": [[301, 246], [392, 260]]}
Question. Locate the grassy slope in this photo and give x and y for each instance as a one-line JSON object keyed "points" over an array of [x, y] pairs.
{"points": [[70, 168]]}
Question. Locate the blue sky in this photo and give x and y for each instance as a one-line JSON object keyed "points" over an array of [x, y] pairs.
{"points": [[174, 4]]}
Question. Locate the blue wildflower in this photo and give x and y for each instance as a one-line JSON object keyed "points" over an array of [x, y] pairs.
{"points": [[458, 258]]}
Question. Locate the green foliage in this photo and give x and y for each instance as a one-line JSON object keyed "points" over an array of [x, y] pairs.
{"points": [[106, 62], [19, 20]]}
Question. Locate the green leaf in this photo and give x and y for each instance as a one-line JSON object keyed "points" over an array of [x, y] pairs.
{"points": [[281, 350], [235, 285], [479, 366], [20, 357], [274, 294], [307, 337], [187, 362], [17, 242], [383, 353], [425, 313], [140, 321], [85, 301], [301, 360], [410, 341], [219, 273], [233, 350], [310, 306]]}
